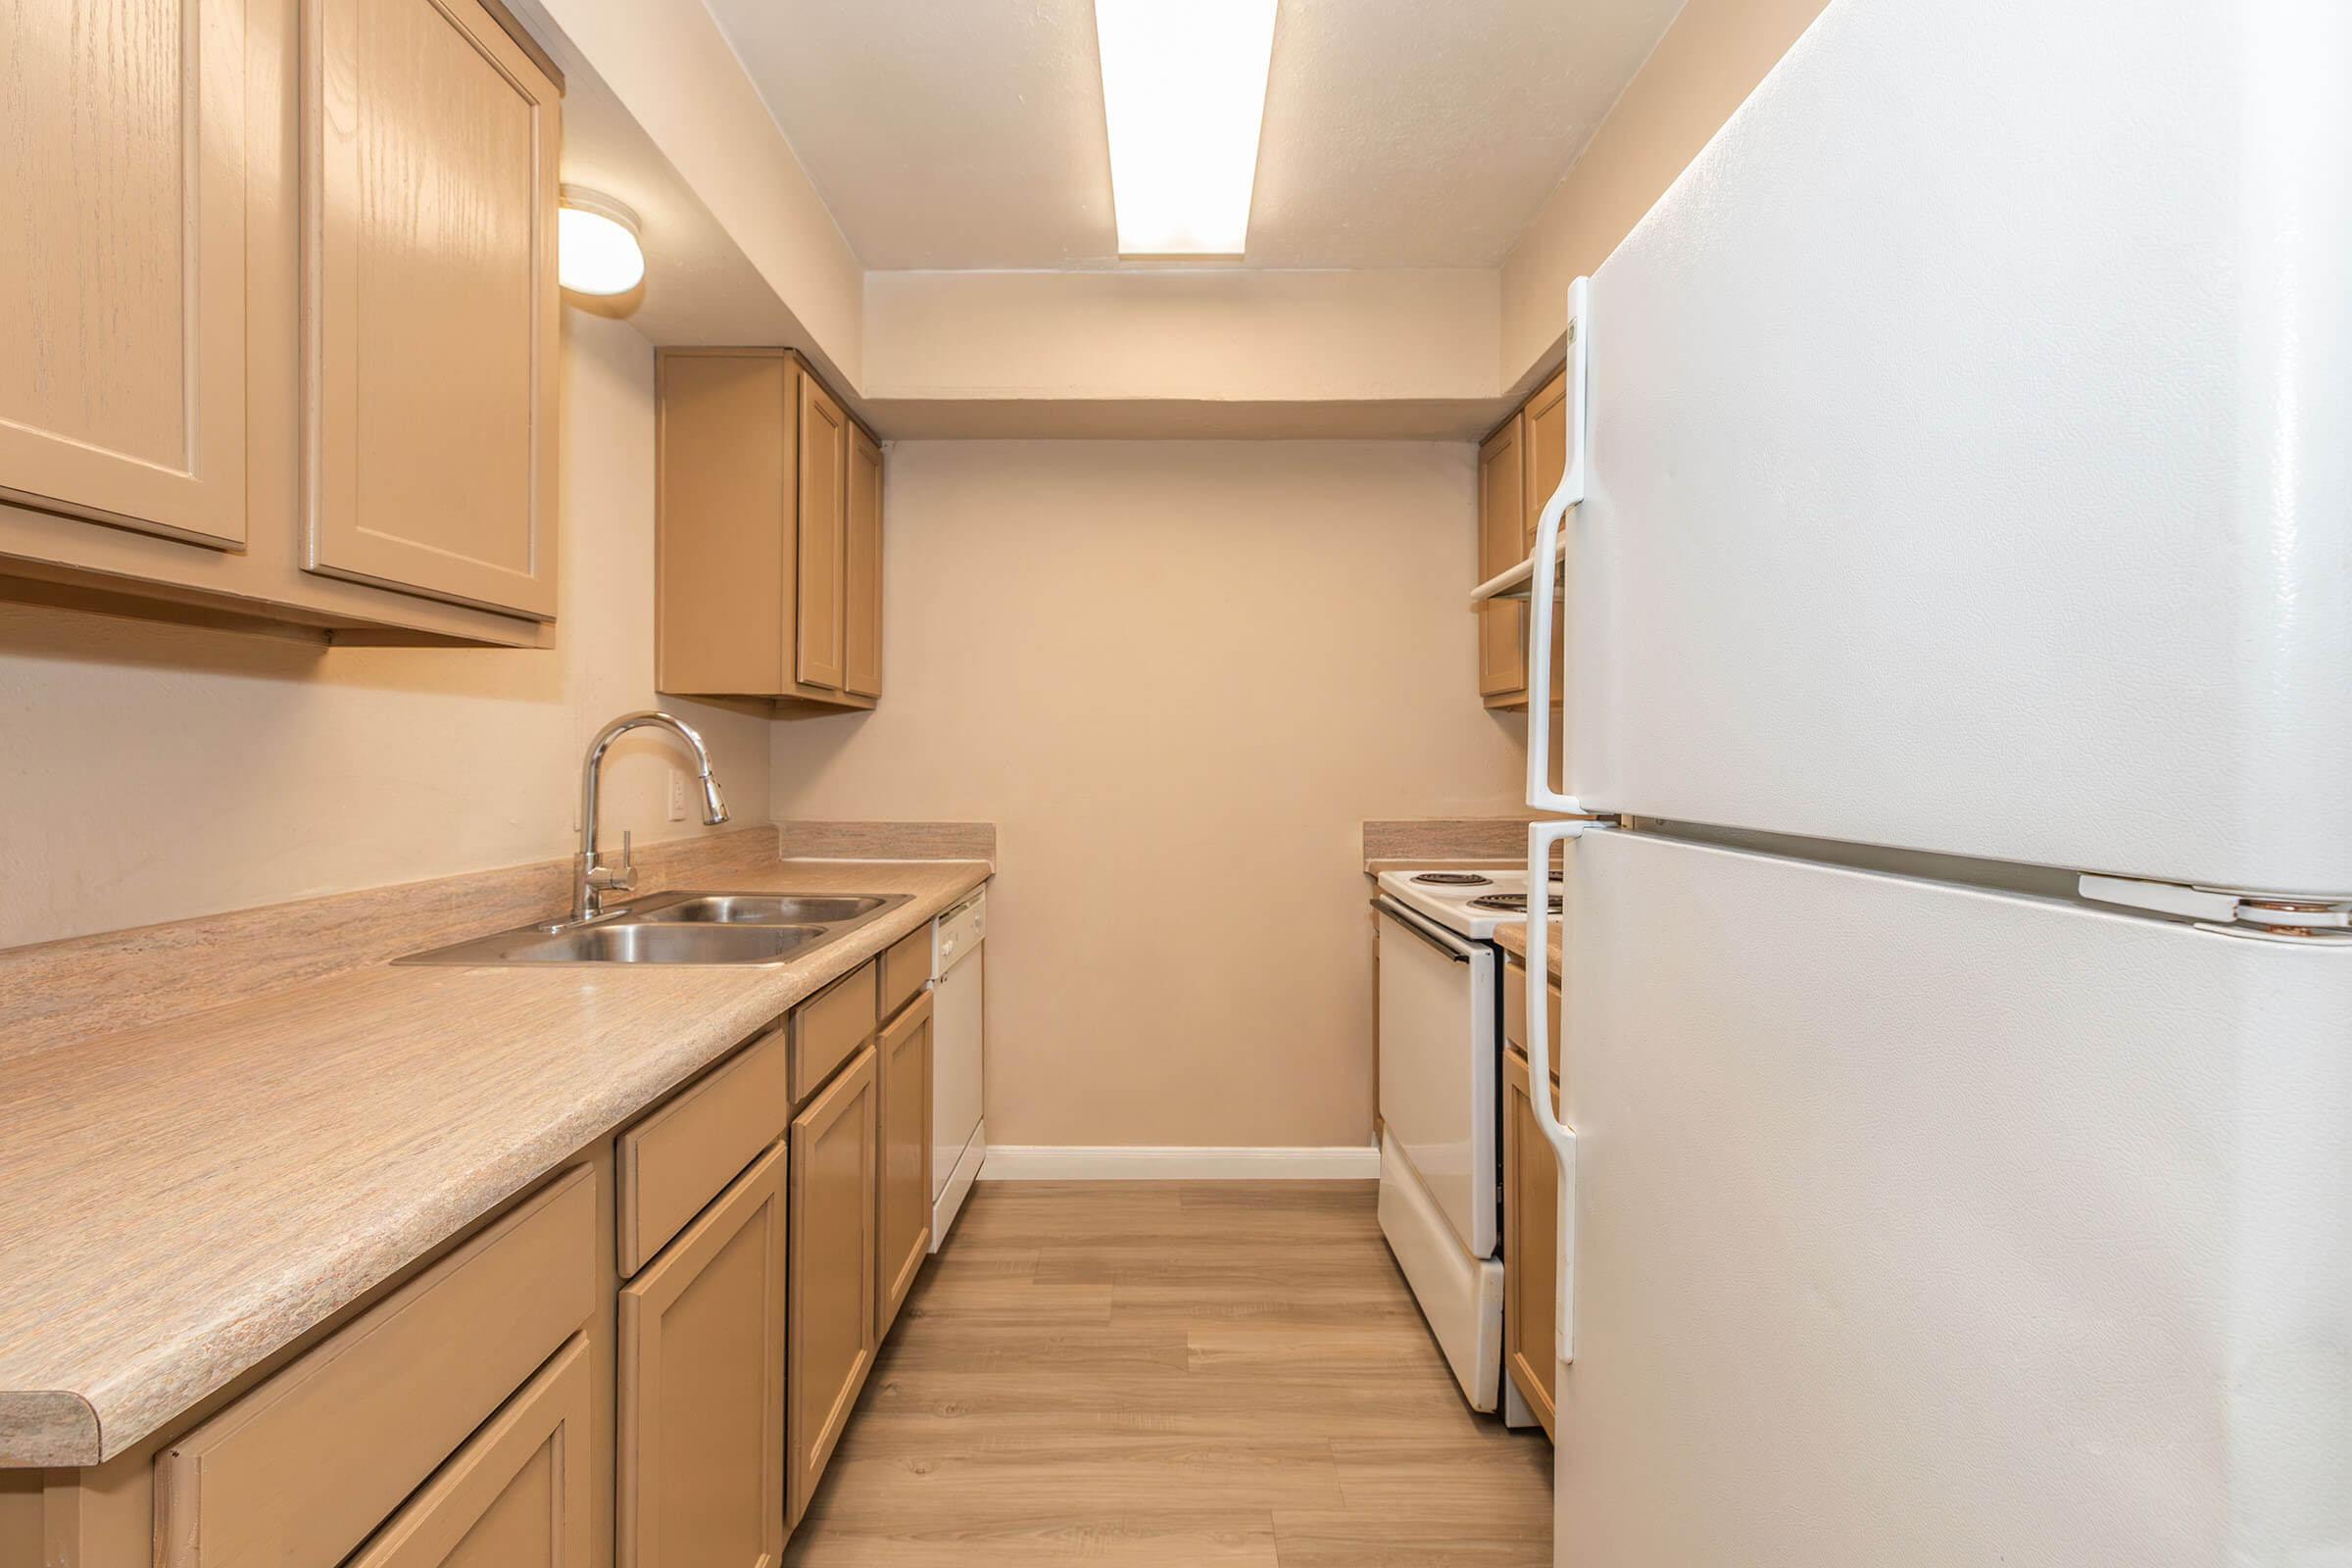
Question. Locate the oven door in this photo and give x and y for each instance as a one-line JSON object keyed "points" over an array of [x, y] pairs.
{"points": [[1439, 1066]]}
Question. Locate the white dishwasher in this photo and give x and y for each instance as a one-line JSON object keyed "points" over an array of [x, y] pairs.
{"points": [[959, 986]]}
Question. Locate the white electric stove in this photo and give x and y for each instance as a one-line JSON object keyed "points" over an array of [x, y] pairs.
{"points": [[1471, 903], [1441, 1109]]}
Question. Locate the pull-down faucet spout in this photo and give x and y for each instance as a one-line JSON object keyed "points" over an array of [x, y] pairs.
{"points": [[595, 879]]}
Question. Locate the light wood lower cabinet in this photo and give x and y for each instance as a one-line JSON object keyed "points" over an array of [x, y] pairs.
{"points": [[516, 1495], [904, 1203], [307, 1464], [1531, 1236], [701, 1388], [833, 1336]]}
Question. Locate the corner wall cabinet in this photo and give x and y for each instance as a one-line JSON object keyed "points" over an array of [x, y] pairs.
{"points": [[768, 535], [646, 1361], [1519, 466], [282, 351]]}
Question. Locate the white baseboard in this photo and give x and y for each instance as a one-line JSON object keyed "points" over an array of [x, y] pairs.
{"points": [[1129, 1162]]}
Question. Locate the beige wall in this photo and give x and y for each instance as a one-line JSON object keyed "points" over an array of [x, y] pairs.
{"points": [[1179, 676], [153, 772], [1704, 68], [1232, 334]]}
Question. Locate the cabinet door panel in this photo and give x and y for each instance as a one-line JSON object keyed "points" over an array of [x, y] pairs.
{"points": [[1546, 414], [833, 1268], [1547, 421], [1501, 492], [430, 144], [861, 570], [823, 522], [701, 1388], [1531, 1231], [905, 1212], [516, 1495], [123, 299], [723, 503]]}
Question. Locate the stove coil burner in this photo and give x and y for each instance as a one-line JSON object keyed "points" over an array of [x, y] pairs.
{"points": [[1512, 903], [1453, 879]]}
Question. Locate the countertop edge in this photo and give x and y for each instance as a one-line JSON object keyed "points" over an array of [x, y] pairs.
{"points": [[1512, 939], [48, 1429]]}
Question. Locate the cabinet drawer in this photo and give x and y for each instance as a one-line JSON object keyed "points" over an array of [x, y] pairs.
{"points": [[519, 1495], [302, 1468], [677, 1159], [829, 1027], [1514, 1013], [906, 968]]}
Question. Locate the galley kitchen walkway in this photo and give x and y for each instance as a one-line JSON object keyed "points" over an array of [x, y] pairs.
{"points": [[1166, 1373]]}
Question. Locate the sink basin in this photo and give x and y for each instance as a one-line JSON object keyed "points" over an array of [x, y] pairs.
{"points": [[680, 928], [754, 909]]}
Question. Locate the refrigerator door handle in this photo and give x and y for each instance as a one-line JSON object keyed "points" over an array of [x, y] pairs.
{"points": [[1540, 837], [1543, 579]]}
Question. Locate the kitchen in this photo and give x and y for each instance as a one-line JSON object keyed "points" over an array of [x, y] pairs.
{"points": [[1083, 486]]}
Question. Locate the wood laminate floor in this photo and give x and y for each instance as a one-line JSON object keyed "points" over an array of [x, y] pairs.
{"points": [[1172, 1373]]}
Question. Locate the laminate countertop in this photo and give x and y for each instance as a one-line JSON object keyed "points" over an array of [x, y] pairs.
{"points": [[1512, 939], [180, 1200]]}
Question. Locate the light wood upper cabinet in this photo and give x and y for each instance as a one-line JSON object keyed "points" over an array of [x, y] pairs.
{"points": [[834, 1263], [431, 145], [861, 570], [122, 344], [823, 532], [1547, 415], [767, 527], [519, 1495], [904, 1202], [1502, 508], [701, 1388], [1519, 466], [278, 319]]}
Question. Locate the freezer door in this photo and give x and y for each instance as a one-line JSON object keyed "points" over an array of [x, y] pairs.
{"points": [[1927, 1226], [1970, 466]]}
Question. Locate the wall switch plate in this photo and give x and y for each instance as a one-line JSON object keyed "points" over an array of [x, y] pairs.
{"points": [[678, 796]]}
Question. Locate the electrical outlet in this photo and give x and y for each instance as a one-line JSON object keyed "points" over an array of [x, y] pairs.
{"points": [[677, 795]]}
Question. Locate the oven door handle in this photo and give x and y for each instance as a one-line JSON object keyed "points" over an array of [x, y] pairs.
{"points": [[1437, 936]]}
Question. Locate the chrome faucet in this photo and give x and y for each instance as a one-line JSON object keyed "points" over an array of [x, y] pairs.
{"points": [[595, 879]]}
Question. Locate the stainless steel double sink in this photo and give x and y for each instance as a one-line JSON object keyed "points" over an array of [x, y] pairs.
{"points": [[680, 928]]}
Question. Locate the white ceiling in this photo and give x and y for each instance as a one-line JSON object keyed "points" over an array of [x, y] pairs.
{"points": [[968, 133]]}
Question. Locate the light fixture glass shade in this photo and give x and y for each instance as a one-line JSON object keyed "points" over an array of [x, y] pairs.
{"points": [[1184, 95], [596, 244]]}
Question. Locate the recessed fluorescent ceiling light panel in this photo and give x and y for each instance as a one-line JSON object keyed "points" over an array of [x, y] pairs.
{"points": [[1184, 93]]}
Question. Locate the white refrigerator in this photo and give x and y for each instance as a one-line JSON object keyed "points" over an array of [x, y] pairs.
{"points": [[1957, 1049]]}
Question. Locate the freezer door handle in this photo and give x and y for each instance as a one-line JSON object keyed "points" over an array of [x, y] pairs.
{"points": [[1540, 837], [1543, 583], [1443, 940]]}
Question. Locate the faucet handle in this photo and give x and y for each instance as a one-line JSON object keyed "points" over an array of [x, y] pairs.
{"points": [[620, 879]]}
